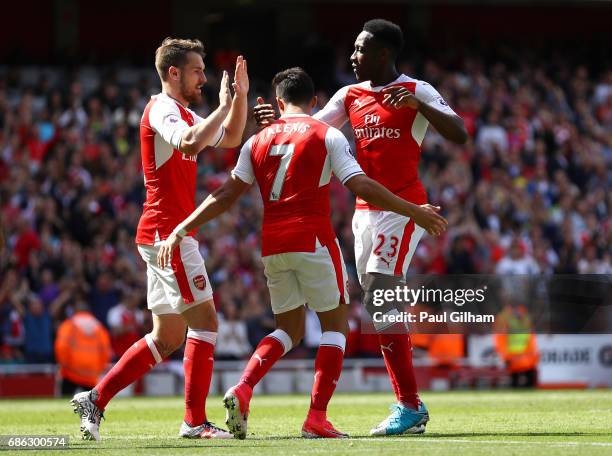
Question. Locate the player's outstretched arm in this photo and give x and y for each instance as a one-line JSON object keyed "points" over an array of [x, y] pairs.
{"points": [[449, 125], [214, 205], [236, 119], [374, 193], [199, 136]]}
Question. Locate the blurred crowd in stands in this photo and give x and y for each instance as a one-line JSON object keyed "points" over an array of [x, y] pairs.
{"points": [[529, 193]]}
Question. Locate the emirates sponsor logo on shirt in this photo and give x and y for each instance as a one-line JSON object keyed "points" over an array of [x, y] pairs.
{"points": [[374, 130], [377, 132], [199, 282]]}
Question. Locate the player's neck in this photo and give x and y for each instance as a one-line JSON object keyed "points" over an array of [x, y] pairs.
{"points": [[387, 76], [293, 109], [175, 95]]}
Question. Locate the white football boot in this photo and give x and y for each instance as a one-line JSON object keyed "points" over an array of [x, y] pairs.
{"points": [[207, 430], [89, 413]]}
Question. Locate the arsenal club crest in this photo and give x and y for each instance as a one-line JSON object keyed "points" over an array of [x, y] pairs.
{"points": [[199, 282]]}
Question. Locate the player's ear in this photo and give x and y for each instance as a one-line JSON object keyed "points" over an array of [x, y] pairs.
{"points": [[281, 105], [173, 73], [312, 103]]}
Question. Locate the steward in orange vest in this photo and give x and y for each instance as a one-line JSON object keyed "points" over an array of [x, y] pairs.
{"points": [[516, 345], [82, 350]]}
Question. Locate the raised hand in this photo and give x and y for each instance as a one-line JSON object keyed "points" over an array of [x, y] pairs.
{"points": [[427, 217], [264, 113], [241, 77], [400, 97], [225, 96]]}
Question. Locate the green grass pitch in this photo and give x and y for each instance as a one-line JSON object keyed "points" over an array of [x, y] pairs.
{"points": [[470, 422]]}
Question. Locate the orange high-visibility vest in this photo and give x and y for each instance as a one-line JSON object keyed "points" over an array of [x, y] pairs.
{"points": [[518, 360], [446, 349], [442, 349], [515, 342], [82, 349]]}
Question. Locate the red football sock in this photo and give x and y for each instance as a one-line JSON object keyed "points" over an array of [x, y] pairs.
{"points": [[270, 349], [391, 374], [397, 352], [198, 365], [328, 367], [135, 362]]}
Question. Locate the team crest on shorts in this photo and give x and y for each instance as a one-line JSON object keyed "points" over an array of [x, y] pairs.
{"points": [[199, 282]]}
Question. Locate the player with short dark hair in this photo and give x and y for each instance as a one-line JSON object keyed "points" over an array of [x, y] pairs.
{"points": [[387, 34], [293, 85], [179, 295], [292, 161], [389, 113]]}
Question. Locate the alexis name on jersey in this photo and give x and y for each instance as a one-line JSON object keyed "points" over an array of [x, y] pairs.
{"points": [[298, 127]]}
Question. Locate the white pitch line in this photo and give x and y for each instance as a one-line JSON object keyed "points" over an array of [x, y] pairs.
{"points": [[508, 442], [419, 440]]}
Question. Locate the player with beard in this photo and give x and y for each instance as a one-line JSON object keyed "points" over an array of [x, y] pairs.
{"points": [[179, 295], [292, 161], [389, 113]]}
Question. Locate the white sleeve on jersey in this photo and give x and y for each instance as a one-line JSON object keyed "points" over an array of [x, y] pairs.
{"points": [[425, 93], [244, 168], [165, 119], [216, 140], [334, 112], [342, 162]]}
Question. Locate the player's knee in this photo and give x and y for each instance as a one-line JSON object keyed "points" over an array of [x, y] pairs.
{"points": [[168, 342], [374, 287], [202, 316], [212, 324], [295, 333]]}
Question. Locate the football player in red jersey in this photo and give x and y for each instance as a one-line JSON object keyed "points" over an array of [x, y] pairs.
{"points": [[179, 295], [389, 113], [292, 161]]}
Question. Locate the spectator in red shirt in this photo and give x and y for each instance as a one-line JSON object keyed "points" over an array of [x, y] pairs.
{"points": [[126, 322]]}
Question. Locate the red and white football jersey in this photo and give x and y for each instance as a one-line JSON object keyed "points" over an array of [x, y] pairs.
{"points": [[388, 140], [292, 161], [169, 175]]}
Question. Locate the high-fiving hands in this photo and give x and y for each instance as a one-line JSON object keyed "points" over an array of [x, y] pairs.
{"points": [[263, 112], [225, 94], [241, 77]]}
